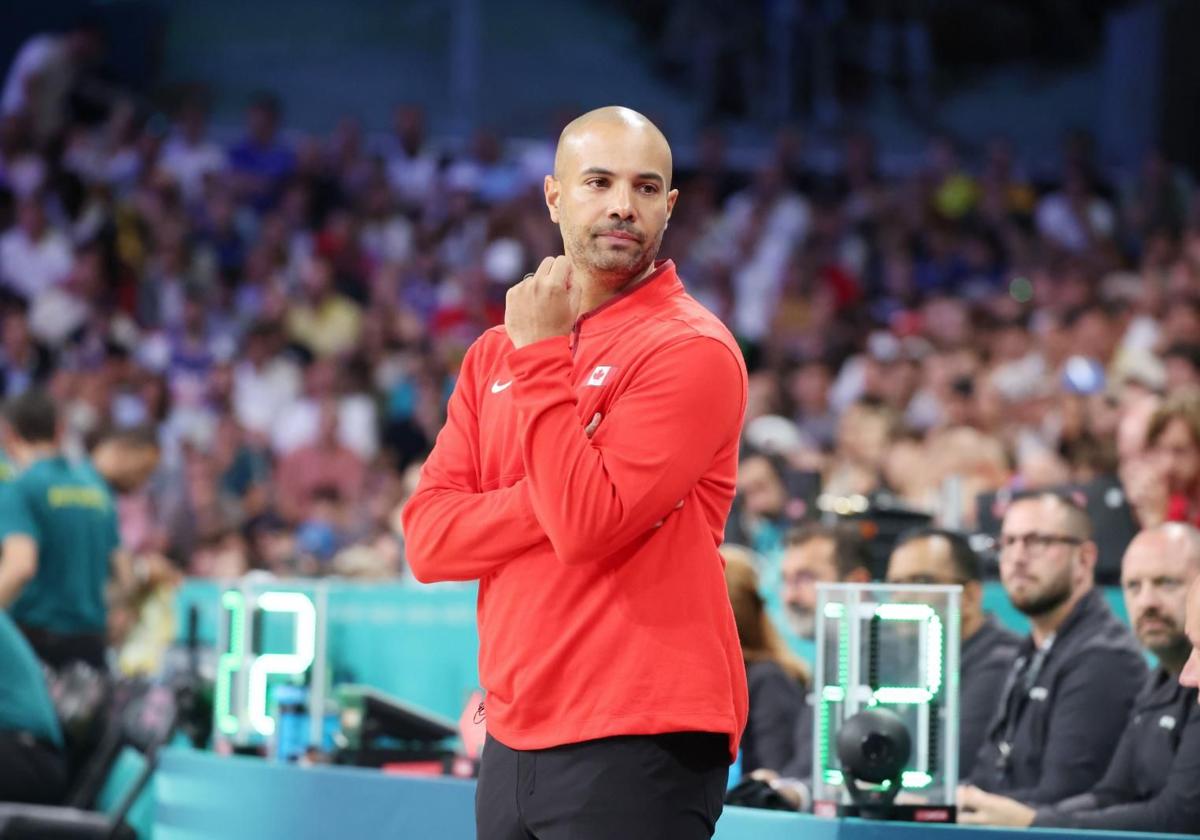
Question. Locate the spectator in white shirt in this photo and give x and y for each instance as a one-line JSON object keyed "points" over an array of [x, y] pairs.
{"points": [[189, 155], [34, 256]]}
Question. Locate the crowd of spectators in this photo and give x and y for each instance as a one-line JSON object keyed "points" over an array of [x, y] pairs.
{"points": [[287, 311]]}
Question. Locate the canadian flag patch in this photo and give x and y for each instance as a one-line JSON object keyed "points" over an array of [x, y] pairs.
{"points": [[599, 375]]}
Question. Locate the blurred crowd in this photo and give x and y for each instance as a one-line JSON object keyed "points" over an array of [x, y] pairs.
{"points": [[287, 312]]}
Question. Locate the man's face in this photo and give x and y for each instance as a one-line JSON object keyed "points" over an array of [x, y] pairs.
{"points": [[1191, 670], [928, 561], [762, 491], [1038, 556], [611, 198], [804, 566], [1155, 575]]}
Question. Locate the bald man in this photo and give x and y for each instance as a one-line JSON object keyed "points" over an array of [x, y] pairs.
{"points": [[1153, 781], [584, 476]]}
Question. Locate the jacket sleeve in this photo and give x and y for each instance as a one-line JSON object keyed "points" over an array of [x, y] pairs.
{"points": [[452, 529], [1090, 711], [1175, 809], [594, 497]]}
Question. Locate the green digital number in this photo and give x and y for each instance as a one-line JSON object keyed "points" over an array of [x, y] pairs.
{"points": [[262, 667], [291, 664], [915, 695], [230, 661]]}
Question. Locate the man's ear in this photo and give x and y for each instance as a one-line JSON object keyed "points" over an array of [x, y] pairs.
{"points": [[1089, 553], [672, 197], [973, 593], [552, 191]]}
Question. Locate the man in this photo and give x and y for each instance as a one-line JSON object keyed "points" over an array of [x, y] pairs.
{"points": [[324, 464], [1153, 782], [759, 517], [58, 526], [616, 687], [818, 554], [935, 556], [1069, 692], [32, 767]]}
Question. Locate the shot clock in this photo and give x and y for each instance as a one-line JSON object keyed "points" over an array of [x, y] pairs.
{"points": [[894, 647], [270, 634]]}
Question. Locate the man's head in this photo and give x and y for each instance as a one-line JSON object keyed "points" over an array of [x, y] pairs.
{"points": [[127, 458], [1157, 570], [819, 554], [760, 486], [611, 194], [1047, 557], [936, 556], [31, 216], [262, 117], [32, 425]]}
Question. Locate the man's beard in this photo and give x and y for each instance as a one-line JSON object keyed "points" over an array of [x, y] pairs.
{"points": [[1055, 595], [801, 622], [1176, 647], [615, 267]]}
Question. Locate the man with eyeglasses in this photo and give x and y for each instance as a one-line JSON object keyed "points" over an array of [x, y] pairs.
{"points": [[1068, 695], [1153, 782], [937, 556]]}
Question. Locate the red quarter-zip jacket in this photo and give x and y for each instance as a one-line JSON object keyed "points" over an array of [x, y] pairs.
{"points": [[594, 620]]}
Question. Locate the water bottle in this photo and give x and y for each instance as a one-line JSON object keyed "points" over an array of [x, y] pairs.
{"points": [[291, 722]]}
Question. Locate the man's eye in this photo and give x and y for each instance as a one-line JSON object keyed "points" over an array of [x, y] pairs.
{"points": [[649, 189], [597, 182]]}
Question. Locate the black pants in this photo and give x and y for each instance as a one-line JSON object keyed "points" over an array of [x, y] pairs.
{"points": [[634, 787], [30, 770], [61, 649]]}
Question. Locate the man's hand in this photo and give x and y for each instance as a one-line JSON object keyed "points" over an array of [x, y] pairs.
{"points": [[543, 305], [977, 807]]}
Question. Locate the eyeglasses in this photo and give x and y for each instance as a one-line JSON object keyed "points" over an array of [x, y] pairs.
{"points": [[1035, 542], [798, 578]]}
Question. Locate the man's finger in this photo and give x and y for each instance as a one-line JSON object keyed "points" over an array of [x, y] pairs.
{"points": [[591, 427], [678, 506], [972, 818], [560, 270]]}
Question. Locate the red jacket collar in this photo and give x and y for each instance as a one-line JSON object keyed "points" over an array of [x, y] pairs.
{"points": [[643, 297]]}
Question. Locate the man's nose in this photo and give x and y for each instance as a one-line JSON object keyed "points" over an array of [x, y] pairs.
{"points": [[621, 206]]}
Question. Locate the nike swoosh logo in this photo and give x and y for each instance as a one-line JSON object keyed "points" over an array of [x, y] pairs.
{"points": [[499, 386]]}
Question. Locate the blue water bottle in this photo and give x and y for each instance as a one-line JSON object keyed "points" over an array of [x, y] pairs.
{"points": [[291, 722]]}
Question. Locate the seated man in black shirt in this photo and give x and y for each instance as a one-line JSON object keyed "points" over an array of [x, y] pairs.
{"points": [[1068, 695], [1153, 782], [936, 556]]}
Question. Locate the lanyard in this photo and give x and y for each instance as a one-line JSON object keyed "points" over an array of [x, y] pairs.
{"points": [[1021, 679]]}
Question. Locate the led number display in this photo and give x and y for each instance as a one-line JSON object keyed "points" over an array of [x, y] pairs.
{"points": [[246, 671], [892, 646]]}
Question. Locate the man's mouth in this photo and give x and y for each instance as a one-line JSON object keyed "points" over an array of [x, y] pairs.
{"points": [[620, 235]]}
